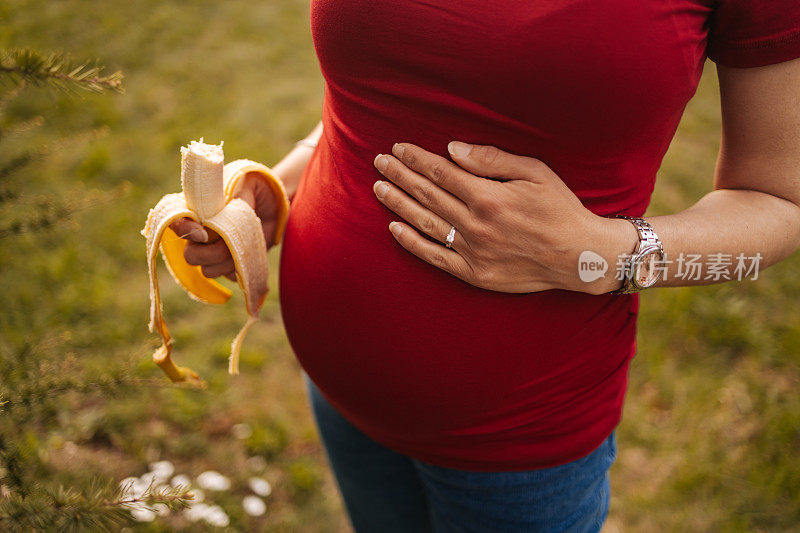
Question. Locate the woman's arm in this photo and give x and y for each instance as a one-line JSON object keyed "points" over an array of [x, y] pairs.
{"points": [[754, 206], [290, 168], [526, 232]]}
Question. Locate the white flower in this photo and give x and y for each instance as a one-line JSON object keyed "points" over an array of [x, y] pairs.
{"points": [[127, 486], [242, 431], [127, 480], [254, 506], [163, 468], [143, 514], [139, 487], [180, 479], [195, 512], [256, 463], [260, 486], [199, 495], [215, 516], [156, 478], [212, 480], [161, 509]]}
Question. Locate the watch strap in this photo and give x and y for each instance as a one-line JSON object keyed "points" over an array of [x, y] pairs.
{"points": [[647, 239]]}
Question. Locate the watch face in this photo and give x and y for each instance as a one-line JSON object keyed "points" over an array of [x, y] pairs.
{"points": [[648, 268]]}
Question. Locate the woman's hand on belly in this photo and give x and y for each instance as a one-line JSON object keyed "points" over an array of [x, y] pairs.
{"points": [[523, 231]]}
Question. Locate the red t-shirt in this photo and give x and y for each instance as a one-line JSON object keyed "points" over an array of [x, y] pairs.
{"points": [[421, 361]]}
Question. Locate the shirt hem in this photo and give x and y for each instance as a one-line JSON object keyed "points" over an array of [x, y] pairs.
{"points": [[755, 53], [504, 466]]}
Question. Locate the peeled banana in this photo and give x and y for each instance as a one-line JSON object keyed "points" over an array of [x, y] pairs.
{"points": [[208, 192]]}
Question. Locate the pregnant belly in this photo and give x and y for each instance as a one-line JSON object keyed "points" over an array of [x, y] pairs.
{"points": [[415, 354]]}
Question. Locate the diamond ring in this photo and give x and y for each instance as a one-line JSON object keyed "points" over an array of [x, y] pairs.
{"points": [[450, 237]]}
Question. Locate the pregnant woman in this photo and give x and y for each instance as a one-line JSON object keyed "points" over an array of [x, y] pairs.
{"points": [[465, 311]]}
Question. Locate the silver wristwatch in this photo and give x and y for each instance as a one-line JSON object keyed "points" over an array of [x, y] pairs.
{"points": [[643, 268]]}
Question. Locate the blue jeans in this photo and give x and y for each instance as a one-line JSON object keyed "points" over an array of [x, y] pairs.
{"points": [[386, 491]]}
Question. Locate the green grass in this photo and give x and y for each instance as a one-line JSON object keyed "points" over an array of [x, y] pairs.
{"points": [[711, 429]]}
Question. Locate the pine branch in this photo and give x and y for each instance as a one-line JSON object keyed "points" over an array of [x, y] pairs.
{"points": [[175, 498], [19, 161], [102, 507], [13, 461], [49, 210], [21, 128], [32, 377], [33, 393], [57, 69], [6, 192], [73, 140], [10, 95], [43, 150]]}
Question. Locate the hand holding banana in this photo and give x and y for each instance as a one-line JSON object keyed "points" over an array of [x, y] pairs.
{"points": [[220, 205], [208, 251]]}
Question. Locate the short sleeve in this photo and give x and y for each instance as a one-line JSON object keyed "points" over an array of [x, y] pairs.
{"points": [[754, 33]]}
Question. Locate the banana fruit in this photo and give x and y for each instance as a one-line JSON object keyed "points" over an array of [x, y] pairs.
{"points": [[207, 197]]}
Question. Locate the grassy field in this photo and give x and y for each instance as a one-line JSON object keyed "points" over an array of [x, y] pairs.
{"points": [[711, 430]]}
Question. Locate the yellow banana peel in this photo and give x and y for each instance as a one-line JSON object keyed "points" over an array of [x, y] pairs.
{"points": [[209, 186]]}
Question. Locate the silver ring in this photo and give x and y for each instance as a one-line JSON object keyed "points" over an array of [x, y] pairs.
{"points": [[450, 237]]}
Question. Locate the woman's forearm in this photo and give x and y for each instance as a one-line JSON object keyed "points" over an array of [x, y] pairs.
{"points": [[290, 168], [729, 234]]}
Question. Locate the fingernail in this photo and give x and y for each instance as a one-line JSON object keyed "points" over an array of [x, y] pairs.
{"points": [[459, 149], [381, 162], [199, 235], [395, 228], [380, 188], [398, 150]]}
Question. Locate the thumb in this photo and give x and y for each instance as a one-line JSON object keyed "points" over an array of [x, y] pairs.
{"points": [[492, 162], [189, 229]]}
